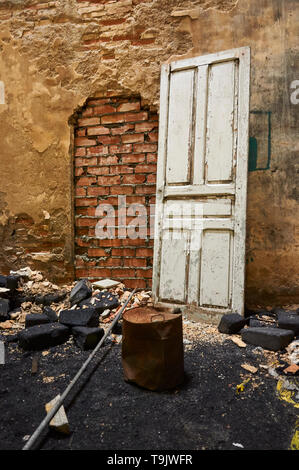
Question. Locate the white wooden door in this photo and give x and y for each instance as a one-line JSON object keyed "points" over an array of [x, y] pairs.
{"points": [[199, 255]]}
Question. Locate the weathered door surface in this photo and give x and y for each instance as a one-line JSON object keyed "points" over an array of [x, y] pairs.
{"points": [[199, 256]]}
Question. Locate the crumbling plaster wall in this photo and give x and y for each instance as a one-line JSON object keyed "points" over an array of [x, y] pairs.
{"points": [[54, 55]]}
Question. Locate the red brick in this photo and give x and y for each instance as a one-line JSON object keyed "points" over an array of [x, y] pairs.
{"points": [[123, 252], [98, 101], [121, 169], [151, 168], [83, 201], [86, 181], [150, 189], [82, 211], [131, 242], [116, 272], [122, 129], [79, 171], [132, 138], [85, 222], [104, 109], [141, 148], [80, 191], [135, 200], [109, 160], [145, 126], [139, 283], [98, 170], [134, 158], [98, 191], [87, 112], [121, 190], [115, 262], [81, 132], [96, 271], [86, 161], [80, 152], [124, 107], [89, 121], [98, 150], [133, 179], [110, 242], [98, 130], [151, 158], [147, 273], [133, 117], [109, 180], [113, 118], [84, 142], [81, 242], [153, 136], [145, 252], [108, 139], [126, 148], [151, 179], [96, 252], [113, 200]]}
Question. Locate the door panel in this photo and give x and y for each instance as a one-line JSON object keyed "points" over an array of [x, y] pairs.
{"points": [[179, 131], [202, 183]]}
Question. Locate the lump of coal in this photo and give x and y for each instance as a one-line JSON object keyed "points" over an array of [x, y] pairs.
{"points": [[81, 291], [289, 321], [273, 339], [33, 319], [79, 317], [43, 336], [48, 299], [51, 314], [101, 302], [4, 309], [231, 323], [87, 338]]}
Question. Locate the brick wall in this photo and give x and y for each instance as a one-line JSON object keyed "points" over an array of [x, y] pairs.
{"points": [[115, 155]]}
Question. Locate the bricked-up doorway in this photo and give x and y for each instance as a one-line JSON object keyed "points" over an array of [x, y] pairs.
{"points": [[115, 155]]}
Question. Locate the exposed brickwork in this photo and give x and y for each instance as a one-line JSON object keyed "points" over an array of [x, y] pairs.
{"points": [[115, 155]]}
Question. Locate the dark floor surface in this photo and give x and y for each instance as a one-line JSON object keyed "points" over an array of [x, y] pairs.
{"points": [[105, 412]]}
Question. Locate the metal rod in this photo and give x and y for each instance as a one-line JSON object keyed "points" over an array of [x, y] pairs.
{"points": [[56, 407]]}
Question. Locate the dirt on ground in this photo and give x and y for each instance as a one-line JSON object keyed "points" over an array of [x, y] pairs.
{"points": [[222, 405]]}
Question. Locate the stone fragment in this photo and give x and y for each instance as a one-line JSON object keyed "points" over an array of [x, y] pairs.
{"points": [[292, 369], [81, 291], [43, 336], [289, 321], [270, 338], [51, 314], [33, 319], [105, 284], [87, 338], [250, 368], [59, 422], [231, 323], [79, 317]]}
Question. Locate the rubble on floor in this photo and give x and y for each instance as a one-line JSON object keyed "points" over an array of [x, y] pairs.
{"points": [[38, 314]]}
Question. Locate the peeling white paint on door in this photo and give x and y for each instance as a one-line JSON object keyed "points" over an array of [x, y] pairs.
{"points": [[2, 93], [199, 256]]}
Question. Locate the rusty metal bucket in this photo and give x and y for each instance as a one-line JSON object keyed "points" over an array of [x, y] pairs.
{"points": [[152, 348]]}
